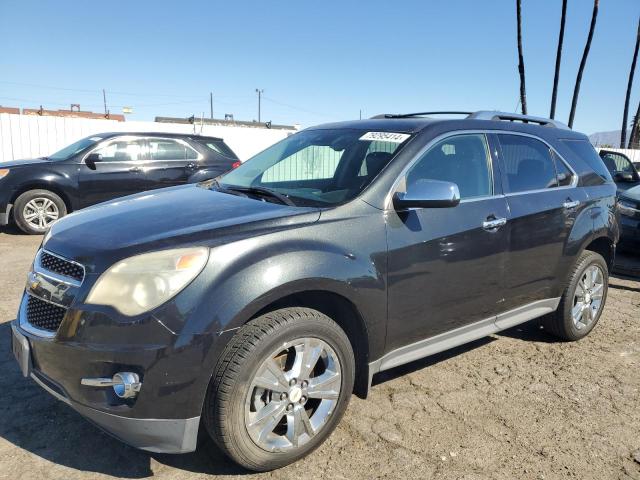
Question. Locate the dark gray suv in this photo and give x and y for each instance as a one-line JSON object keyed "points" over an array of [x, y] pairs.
{"points": [[251, 307]]}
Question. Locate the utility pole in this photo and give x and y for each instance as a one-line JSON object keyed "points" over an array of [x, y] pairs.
{"points": [[104, 99], [360, 114], [211, 104], [259, 92]]}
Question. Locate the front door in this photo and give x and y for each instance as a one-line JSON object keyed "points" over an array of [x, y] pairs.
{"points": [[117, 174], [445, 265]]}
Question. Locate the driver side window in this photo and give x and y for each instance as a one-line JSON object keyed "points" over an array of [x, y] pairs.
{"points": [[461, 159], [122, 151]]}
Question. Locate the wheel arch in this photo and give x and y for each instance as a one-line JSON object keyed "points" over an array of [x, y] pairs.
{"points": [[43, 186], [342, 311]]}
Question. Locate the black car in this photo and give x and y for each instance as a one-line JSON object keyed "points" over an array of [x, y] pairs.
{"points": [[627, 180], [35, 193], [250, 307]]}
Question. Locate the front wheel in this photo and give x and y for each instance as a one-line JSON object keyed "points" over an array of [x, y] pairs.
{"points": [[281, 387], [35, 211], [583, 299]]}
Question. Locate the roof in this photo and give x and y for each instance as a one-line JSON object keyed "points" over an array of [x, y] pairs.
{"points": [[160, 134]]}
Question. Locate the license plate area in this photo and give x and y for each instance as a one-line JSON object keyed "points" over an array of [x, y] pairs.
{"points": [[21, 350]]}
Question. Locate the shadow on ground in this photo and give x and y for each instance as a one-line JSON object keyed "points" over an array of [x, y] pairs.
{"points": [[35, 421]]}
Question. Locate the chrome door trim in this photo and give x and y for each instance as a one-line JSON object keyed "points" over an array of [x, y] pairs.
{"points": [[462, 335], [388, 203]]}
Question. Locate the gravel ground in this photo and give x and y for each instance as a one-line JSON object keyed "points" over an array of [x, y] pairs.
{"points": [[514, 405]]}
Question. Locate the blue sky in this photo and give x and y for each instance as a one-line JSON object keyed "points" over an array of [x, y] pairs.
{"points": [[316, 61]]}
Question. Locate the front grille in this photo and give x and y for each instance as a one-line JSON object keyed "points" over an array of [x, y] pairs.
{"points": [[44, 315], [61, 266]]}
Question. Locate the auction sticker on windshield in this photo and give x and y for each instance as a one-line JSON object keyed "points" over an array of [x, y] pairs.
{"points": [[392, 137]]}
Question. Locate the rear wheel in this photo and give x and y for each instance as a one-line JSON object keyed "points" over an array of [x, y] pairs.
{"points": [[282, 386], [583, 299], [35, 211]]}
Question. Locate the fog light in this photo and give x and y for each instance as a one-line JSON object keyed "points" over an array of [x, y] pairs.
{"points": [[125, 384]]}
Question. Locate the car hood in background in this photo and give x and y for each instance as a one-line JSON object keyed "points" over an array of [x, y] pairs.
{"points": [[167, 218], [23, 163]]}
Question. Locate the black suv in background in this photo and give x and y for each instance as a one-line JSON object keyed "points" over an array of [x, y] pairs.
{"points": [[102, 167], [250, 307], [627, 179]]}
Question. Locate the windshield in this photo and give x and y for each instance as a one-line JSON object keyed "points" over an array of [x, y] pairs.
{"points": [[319, 167], [74, 148]]}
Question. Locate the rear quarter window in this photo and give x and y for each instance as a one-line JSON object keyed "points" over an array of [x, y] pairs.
{"points": [[585, 152]]}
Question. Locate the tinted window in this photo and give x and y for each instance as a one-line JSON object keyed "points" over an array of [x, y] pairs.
{"points": [[219, 147], [585, 151], [462, 159], [527, 164], [122, 151], [167, 149], [565, 176]]}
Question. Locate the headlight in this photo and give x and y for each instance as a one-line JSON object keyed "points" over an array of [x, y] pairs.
{"points": [[628, 208], [4, 172], [141, 283]]}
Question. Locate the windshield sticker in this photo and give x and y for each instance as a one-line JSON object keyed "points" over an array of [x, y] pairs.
{"points": [[95, 139], [391, 137]]}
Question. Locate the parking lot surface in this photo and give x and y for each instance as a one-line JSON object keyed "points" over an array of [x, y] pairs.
{"points": [[514, 405]]}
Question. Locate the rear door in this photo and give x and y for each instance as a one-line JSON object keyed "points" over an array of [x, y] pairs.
{"points": [[171, 162], [446, 265], [543, 204], [117, 174]]}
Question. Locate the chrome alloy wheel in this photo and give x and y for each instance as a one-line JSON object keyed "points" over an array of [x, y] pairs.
{"points": [[292, 394], [587, 299], [41, 212]]}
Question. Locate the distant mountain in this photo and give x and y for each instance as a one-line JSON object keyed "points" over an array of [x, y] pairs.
{"points": [[606, 138]]}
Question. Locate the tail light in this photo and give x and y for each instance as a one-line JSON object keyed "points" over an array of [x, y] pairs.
{"points": [[236, 164]]}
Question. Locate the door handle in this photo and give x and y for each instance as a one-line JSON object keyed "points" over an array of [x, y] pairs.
{"points": [[494, 223], [135, 169], [571, 204], [191, 165]]}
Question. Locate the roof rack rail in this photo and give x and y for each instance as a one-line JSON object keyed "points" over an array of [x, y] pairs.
{"points": [[516, 117], [484, 115], [419, 114]]}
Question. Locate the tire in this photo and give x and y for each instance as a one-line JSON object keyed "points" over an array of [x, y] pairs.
{"points": [[562, 323], [234, 402], [47, 207]]}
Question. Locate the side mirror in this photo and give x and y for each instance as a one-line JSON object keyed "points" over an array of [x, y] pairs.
{"points": [[624, 177], [427, 194], [92, 159]]}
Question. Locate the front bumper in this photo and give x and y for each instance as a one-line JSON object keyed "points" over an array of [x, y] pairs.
{"points": [[171, 435]]}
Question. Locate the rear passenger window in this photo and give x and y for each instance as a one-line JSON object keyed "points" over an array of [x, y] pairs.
{"points": [[167, 149], [461, 159], [565, 176], [527, 164]]}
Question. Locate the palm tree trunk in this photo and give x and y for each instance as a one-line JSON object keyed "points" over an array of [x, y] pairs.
{"points": [[623, 132], [523, 90], [634, 139], [556, 77], [583, 62]]}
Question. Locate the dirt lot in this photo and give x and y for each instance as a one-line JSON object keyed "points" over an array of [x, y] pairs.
{"points": [[515, 405]]}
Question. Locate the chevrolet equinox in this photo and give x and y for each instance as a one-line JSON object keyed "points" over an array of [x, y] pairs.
{"points": [[251, 306]]}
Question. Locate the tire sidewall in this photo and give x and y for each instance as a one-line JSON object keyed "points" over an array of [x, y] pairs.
{"points": [[252, 454], [25, 198], [571, 329]]}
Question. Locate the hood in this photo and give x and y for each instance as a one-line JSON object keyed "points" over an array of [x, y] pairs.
{"points": [[23, 163], [166, 218], [632, 193]]}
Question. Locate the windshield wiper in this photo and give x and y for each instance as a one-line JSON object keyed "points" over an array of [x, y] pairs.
{"points": [[262, 191], [282, 198]]}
